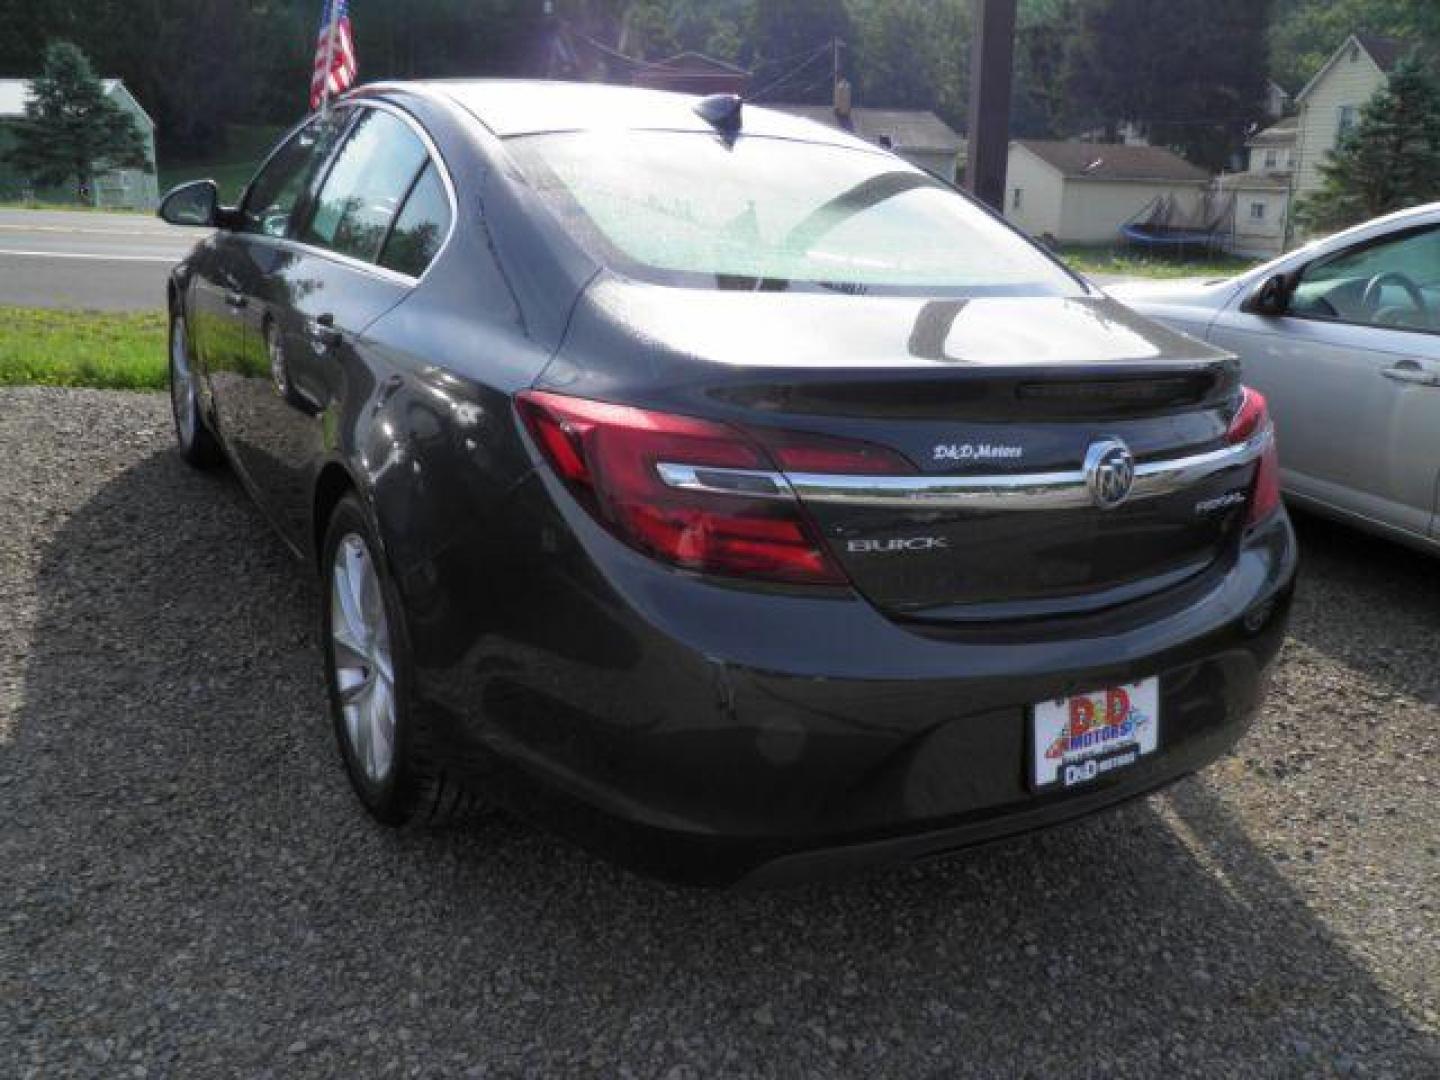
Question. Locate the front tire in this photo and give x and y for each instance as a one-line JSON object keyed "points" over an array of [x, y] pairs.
{"points": [[381, 735], [197, 443]]}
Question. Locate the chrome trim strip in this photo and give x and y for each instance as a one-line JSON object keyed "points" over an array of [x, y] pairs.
{"points": [[755, 483], [1021, 491]]}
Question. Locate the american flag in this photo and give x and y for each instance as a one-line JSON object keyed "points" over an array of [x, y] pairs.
{"points": [[334, 70]]}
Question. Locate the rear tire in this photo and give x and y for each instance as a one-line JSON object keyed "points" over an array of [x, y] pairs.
{"points": [[383, 739], [197, 443]]}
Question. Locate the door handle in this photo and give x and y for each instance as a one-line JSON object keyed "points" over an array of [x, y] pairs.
{"points": [[235, 300], [323, 332], [1407, 371]]}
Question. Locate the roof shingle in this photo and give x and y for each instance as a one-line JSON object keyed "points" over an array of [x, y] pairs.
{"points": [[1385, 51], [1114, 161], [1278, 134], [907, 129]]}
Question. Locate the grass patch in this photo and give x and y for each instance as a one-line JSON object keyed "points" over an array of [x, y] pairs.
{"points": [[116, 350], [245, 147], [1132, 263], [51, 204]]}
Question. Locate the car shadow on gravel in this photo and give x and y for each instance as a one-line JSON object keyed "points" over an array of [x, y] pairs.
{"points": [[192, 887], [1380, 612]]}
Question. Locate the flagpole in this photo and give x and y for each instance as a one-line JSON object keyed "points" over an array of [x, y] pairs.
{"points": [[330, 28]]}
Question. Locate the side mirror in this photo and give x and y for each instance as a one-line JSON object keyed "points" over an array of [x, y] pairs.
{"points": [[195, 203], [1271, 298]]}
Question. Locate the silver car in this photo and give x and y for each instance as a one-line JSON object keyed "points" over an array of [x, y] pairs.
{"points": [[1343, 338]]}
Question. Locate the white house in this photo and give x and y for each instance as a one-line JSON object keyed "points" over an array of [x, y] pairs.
{"points": [[917, 135], [1277, 100], [1262, 191], [1330, 102], [1284, 159], [129, 188], [1081, 193]]}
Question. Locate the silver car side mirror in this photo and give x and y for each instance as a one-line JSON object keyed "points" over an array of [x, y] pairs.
{"points": [[1271, 298]]}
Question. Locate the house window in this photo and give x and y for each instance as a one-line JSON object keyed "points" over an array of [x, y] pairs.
{"points": [[1016, 199], [1346, 120], [1272, 158], [1257, 211]]}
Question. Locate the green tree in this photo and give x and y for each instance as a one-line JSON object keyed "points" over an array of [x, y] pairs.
{"points": [[1043, 34], [1191, 73], [71, 129], [786, 38], [1304, 33], [1389, 161]]}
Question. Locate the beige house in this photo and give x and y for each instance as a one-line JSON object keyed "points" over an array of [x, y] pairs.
{"points": [[1277, 100], [1284, 159], [1081, 193], [917, 135], [133, 189], [1262, 191], [1330, 103]]}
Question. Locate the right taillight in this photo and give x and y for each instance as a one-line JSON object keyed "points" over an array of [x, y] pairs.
{"points": [[1252, 420], [694, 493]]}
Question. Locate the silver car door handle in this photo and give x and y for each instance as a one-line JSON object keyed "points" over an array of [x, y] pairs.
{"points": [[1411, 373]]}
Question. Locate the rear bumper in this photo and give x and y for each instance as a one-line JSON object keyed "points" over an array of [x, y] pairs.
{"points": [[706, 733]]}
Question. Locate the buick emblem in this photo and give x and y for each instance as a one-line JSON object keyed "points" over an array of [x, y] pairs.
{"points": [[1109, 473]]}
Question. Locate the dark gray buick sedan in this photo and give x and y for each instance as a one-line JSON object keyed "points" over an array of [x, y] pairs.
{"points": [[716, 488]]}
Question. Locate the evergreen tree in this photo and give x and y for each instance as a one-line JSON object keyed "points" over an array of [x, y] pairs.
{"points": [[1390, 160], [71, 129]]}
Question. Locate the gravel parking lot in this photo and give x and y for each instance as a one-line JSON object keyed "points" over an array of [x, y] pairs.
{"points": [[188, 889]]}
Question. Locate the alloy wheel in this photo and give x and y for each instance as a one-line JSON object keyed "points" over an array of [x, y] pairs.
{"points": [[182, 384], [363, 669]]}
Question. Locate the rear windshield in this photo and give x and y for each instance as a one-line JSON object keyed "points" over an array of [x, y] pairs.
{"points": [[686, 208]]}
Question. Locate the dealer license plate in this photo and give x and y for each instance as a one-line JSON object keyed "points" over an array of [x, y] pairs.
{"points": [[1081, 738]]}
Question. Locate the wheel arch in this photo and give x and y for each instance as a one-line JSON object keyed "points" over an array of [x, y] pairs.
{"points": [[332, 484]]}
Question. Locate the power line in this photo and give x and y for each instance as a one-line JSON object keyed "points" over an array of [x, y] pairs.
{"points": [[614, 54], [815, 55]]}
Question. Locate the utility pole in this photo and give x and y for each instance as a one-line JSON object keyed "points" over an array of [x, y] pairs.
{"points": [[992, 55]]}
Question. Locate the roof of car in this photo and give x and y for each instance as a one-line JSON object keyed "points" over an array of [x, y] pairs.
{"points": [[511, 107]]}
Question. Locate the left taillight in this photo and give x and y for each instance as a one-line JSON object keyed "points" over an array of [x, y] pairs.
{"points": [[730, 521], [1252, 419]]}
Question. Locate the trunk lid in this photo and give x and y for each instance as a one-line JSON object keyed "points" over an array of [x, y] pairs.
{"points": [[1000, 520], [996, 402]]}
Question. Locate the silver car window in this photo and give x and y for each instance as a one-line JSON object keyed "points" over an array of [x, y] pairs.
{"points": [[1394, 282]]}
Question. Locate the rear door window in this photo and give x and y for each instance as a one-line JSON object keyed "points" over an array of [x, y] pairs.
{"points": [[421, 227], [363, 192]]}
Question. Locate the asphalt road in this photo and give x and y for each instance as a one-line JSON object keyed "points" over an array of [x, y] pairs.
{"points": [[110, 262], [188, 888], [75, 259]]}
